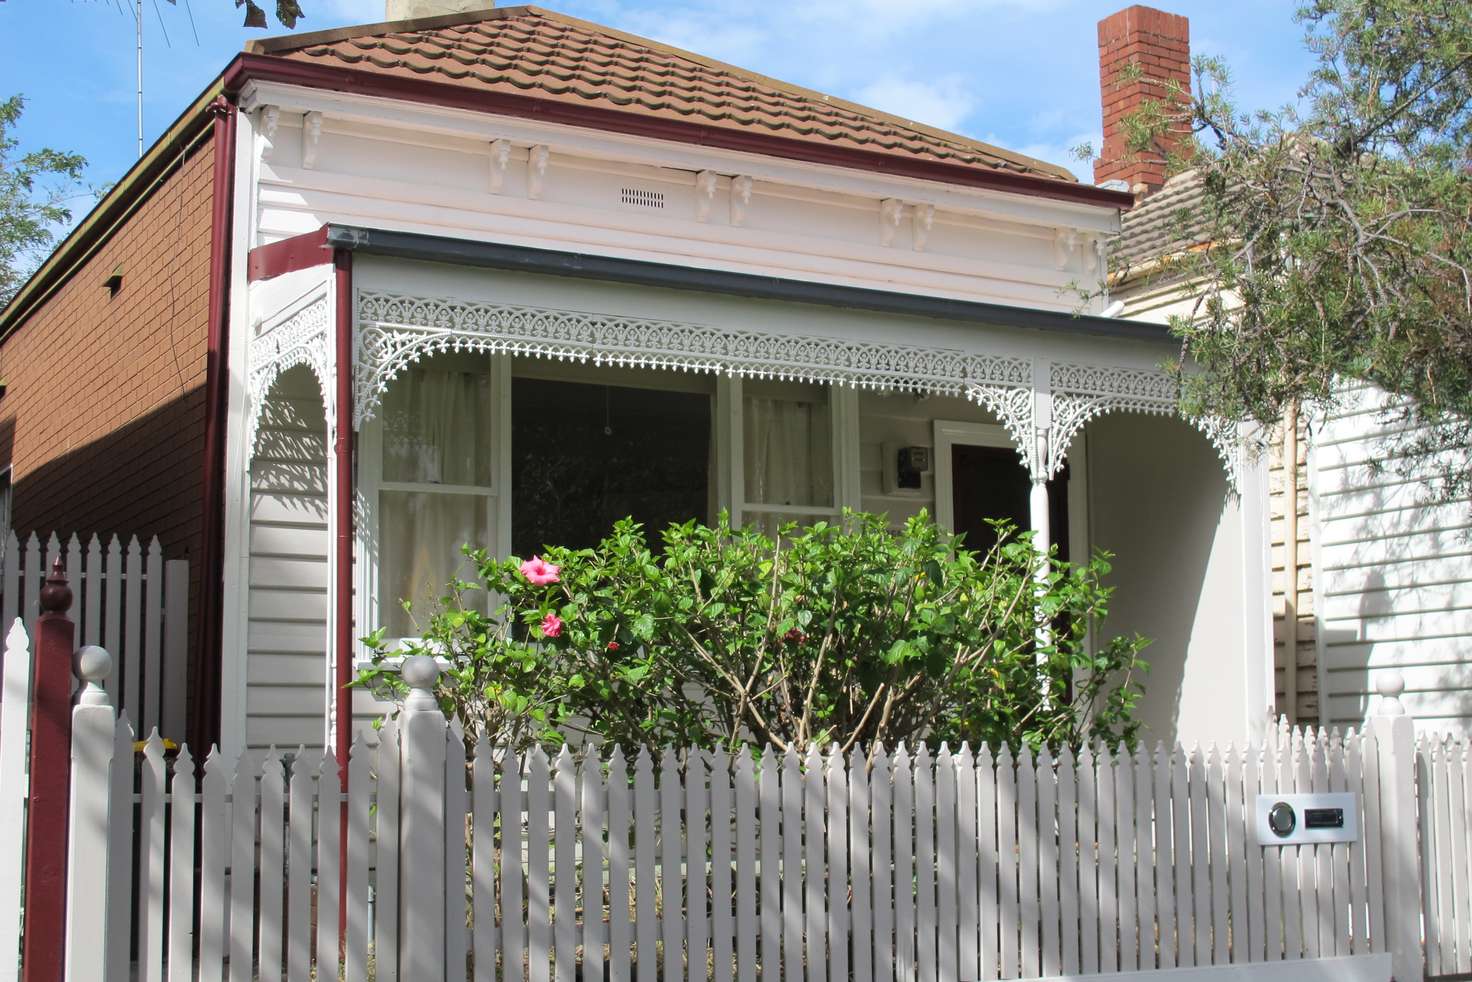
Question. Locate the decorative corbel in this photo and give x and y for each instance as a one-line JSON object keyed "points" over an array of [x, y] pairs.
{"points": [[311, 138], [740, 198], [1090, 250], [924, 220], [705, 193], [500, 158], [270, 117], [890, 211], [536, 170]]}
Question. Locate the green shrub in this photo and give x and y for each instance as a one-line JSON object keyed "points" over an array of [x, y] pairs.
{"points": [[846, 633]]}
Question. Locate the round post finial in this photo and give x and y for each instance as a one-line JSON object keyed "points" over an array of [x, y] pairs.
{"points": [[56, 595], [92, 664], [1390, 685], [421, 673]]}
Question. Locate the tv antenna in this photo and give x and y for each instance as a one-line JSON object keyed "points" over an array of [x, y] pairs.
{"points": [[137, 11]]}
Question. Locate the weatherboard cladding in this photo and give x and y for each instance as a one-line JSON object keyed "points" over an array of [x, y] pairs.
{"points": [[536, 52]]}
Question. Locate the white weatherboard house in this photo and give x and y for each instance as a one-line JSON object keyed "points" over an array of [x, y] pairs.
{"points": [[505, 276]]}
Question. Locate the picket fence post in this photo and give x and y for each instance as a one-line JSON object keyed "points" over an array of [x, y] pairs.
{"points": [[1395, 738], [422, 935], [43, 955], [93, 736]]}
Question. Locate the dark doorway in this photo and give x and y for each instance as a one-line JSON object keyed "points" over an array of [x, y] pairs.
{"points": [[990, 483]]}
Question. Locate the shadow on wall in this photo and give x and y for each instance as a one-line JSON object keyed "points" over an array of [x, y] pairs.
{"points": [[1158, 502], [1396, 589], [143, 478]]}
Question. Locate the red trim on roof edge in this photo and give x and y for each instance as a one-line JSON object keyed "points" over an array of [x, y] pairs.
{"points": [[248, 67], [287, 256]]}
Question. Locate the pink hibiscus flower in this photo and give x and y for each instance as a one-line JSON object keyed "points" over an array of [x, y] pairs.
{"points": [[551, 626], [540, 572]]}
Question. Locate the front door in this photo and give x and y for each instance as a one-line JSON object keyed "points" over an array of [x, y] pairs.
{"points": [[990, 483]]}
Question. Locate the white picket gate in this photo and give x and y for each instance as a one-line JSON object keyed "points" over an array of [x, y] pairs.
{"points": [[911, 866], [128, 599]]}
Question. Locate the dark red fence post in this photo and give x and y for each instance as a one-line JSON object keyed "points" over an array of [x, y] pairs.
{"points": [[44, 957]]}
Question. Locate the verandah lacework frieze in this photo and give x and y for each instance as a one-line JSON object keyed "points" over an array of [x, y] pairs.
{"points": [[1084, 392], [396, 331], [301, 337]]}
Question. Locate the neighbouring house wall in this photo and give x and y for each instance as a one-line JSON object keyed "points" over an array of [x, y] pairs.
{"points": [[103, 414], [1394, 584], [1158, 501], [286, 633]]}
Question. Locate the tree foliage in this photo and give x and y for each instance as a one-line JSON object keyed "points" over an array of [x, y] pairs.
{"points": [[839, 632], [33, 192], [1336, 230]]}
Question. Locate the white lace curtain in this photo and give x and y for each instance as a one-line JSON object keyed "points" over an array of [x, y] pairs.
{"points": [[435, 424], [788, 452]]}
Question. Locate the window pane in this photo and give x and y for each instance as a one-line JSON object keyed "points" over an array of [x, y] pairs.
{"points": [[584, 456], [436, 419], [420, 534], [788, 445]]}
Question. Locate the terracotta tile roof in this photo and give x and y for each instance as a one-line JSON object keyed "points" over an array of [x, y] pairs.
{"points": [[1163, 224], [535, 52]]}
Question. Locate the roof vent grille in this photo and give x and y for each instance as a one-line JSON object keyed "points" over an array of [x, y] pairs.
{"points": [[642, 198]]}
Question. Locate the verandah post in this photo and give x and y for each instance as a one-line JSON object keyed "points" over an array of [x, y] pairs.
{"points": [[1395, 739], [421, 911], [94, 727], [43, 954]]}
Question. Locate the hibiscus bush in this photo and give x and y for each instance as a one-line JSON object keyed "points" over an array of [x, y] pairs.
{"points": [[847, 632]]}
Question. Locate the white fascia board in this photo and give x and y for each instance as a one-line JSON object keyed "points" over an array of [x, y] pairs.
{"points": [[602, 144], [543, 224]]}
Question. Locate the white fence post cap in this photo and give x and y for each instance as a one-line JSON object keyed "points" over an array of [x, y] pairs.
{"points": [[421, 673], [92, 664], [1390, 685]]}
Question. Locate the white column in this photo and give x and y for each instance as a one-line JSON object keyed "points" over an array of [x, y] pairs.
{"points": [[1042, 534]]}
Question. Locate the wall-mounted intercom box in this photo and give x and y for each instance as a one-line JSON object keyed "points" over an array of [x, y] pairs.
{"points": [[1299, 819]]}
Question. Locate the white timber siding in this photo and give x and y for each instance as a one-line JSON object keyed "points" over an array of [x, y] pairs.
{"points": [[286, 635], [1394, 585]]}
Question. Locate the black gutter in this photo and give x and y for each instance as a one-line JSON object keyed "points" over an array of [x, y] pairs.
{"points": [[496, 255]]}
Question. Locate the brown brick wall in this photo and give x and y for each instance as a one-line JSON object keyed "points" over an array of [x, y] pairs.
{"points": [[103, 413]]}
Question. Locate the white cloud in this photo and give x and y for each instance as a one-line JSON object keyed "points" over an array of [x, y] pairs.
{"points": [[944, 102]]}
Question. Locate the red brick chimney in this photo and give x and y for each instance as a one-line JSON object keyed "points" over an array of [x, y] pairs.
{"points": [[1160, 43]]}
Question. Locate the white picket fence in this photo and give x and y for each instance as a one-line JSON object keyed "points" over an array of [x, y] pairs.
{"points": [[911, 866], [128, 599], [1444, 787]]}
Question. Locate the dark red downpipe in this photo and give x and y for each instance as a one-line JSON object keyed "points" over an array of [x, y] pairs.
{"points": [[342, 587], [204, 726]]}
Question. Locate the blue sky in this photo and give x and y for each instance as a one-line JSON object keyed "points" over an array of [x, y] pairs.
{"points": [[1019, 73]]}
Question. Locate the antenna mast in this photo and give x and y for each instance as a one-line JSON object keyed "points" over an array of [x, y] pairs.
{"points": [[138, 18]]}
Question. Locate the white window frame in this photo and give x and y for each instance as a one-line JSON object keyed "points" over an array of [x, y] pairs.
{"points": [[367, 610], [843, 418]]}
